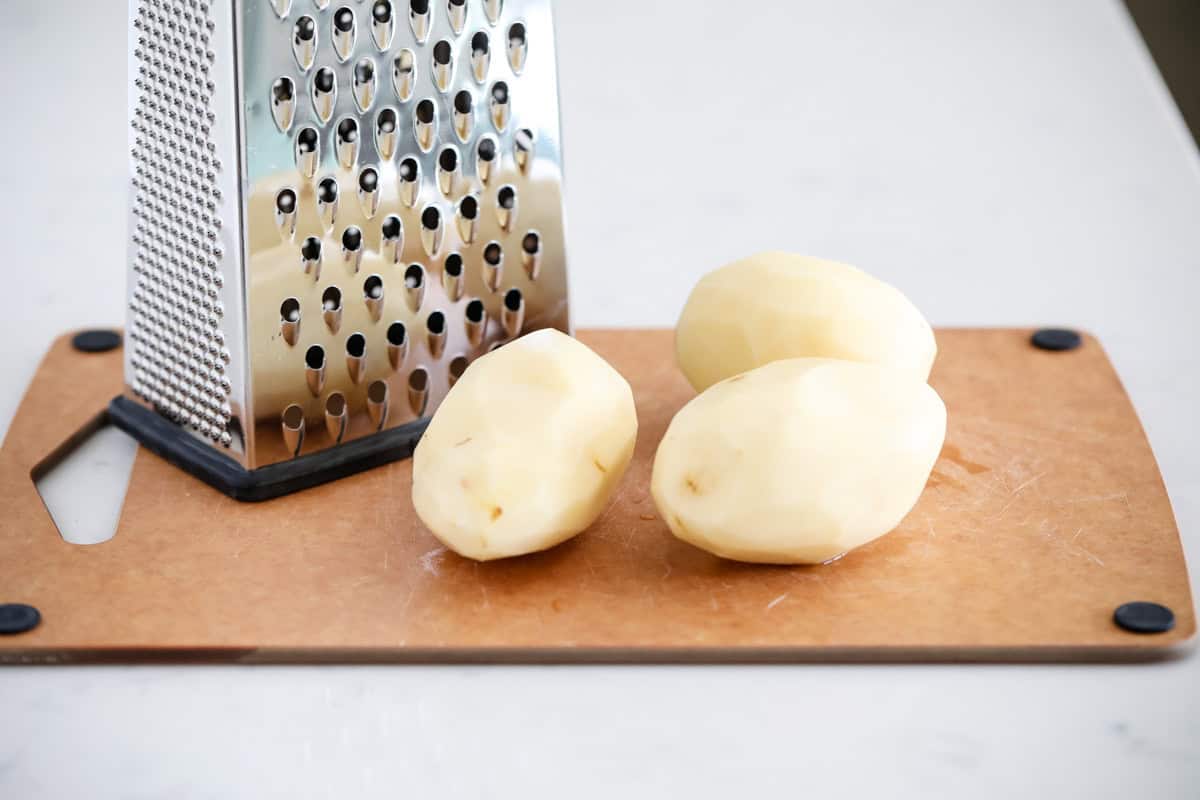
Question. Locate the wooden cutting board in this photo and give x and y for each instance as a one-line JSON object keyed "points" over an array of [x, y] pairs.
{"points": [[1045, 513]]}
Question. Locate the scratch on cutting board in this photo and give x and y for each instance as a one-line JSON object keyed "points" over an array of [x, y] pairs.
{"points": [[1016, 493], [1028, 483], [1084, 550], [412, 590], [777, 601], [1103, 498], [429, 561], [1070, 545]]}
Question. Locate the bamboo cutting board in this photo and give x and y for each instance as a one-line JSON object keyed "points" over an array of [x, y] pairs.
{"points": [[1045, 513]]}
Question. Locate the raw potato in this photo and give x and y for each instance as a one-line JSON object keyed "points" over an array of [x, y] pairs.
{"points": [[526, 450], [799, 461], [774, 306]]}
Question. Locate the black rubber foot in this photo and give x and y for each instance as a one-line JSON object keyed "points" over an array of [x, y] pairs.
{"points": [[1056, 339], [205, 462], [1142, 617], [96, 341], [18, 618]]}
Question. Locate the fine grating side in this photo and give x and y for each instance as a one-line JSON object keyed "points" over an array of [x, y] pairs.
{"points": [[178, 356]]}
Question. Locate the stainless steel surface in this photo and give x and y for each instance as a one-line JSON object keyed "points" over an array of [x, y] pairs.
{"points": [[308, 172], [186, 289]]}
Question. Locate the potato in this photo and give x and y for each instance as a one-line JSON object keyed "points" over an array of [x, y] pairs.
{"points": [[526, 450], [799, 461], [777, 305]]}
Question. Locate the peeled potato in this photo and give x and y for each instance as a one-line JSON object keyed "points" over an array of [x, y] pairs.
{"points": [[526, 450], [774, 306], [799, 461]]}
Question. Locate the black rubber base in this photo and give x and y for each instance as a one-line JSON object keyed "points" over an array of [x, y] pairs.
{"points": [[1143, 617], [202, 461], [1056, 339], [97, 341], [18, 618]]}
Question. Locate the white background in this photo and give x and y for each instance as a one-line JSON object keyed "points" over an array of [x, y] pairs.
{"points": [[1002, 162]]}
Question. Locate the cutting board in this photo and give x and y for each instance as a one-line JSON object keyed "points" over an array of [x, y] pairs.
{"points": [[1045, 512]]}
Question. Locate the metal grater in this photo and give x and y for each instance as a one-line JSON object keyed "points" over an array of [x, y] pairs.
{"points": [[335, 208]]}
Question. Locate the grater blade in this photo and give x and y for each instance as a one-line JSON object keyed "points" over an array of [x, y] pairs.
{"points": [[335, 207]]}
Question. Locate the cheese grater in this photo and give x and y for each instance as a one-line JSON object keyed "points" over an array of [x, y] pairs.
{"points": [[335, 207]]}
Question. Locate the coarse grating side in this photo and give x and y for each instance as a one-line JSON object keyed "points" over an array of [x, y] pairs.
{"points": [[177, 348]]}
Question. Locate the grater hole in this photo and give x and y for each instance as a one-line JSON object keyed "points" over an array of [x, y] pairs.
{"points": [[453, 265], [368, 180], [516, 34], [480, 44], [458, 365], [352, 239], [507, 197], [356, 345], [426, 112], [364, 71], [463, 102], [493, 254], [418, 380], [524, 140], [387, 121], [283, 90], [377, 392], [436, 323], [500, 92], [314, 358], [325, 80], [431, 218], [289, 311], [448, 159], [487, 149], [458, 3], [327, 191], [513, 299], [532, 243], [475, 311], [285, 201], [343, 20], [307, 140], [311, 249], [306, 29], [331, 300], [392, 228], [382, 12], [373, 288], [293, 417], [336, 404], [409, 169], [442, 53], [414, 276], [469, 207], [397, 334], [406, 62], [419, 7]]}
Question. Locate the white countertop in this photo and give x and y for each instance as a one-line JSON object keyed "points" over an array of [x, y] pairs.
{"points": [[1005, 163]]}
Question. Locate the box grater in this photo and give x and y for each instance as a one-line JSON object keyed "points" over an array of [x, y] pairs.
{"points": [[335, 207]]}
